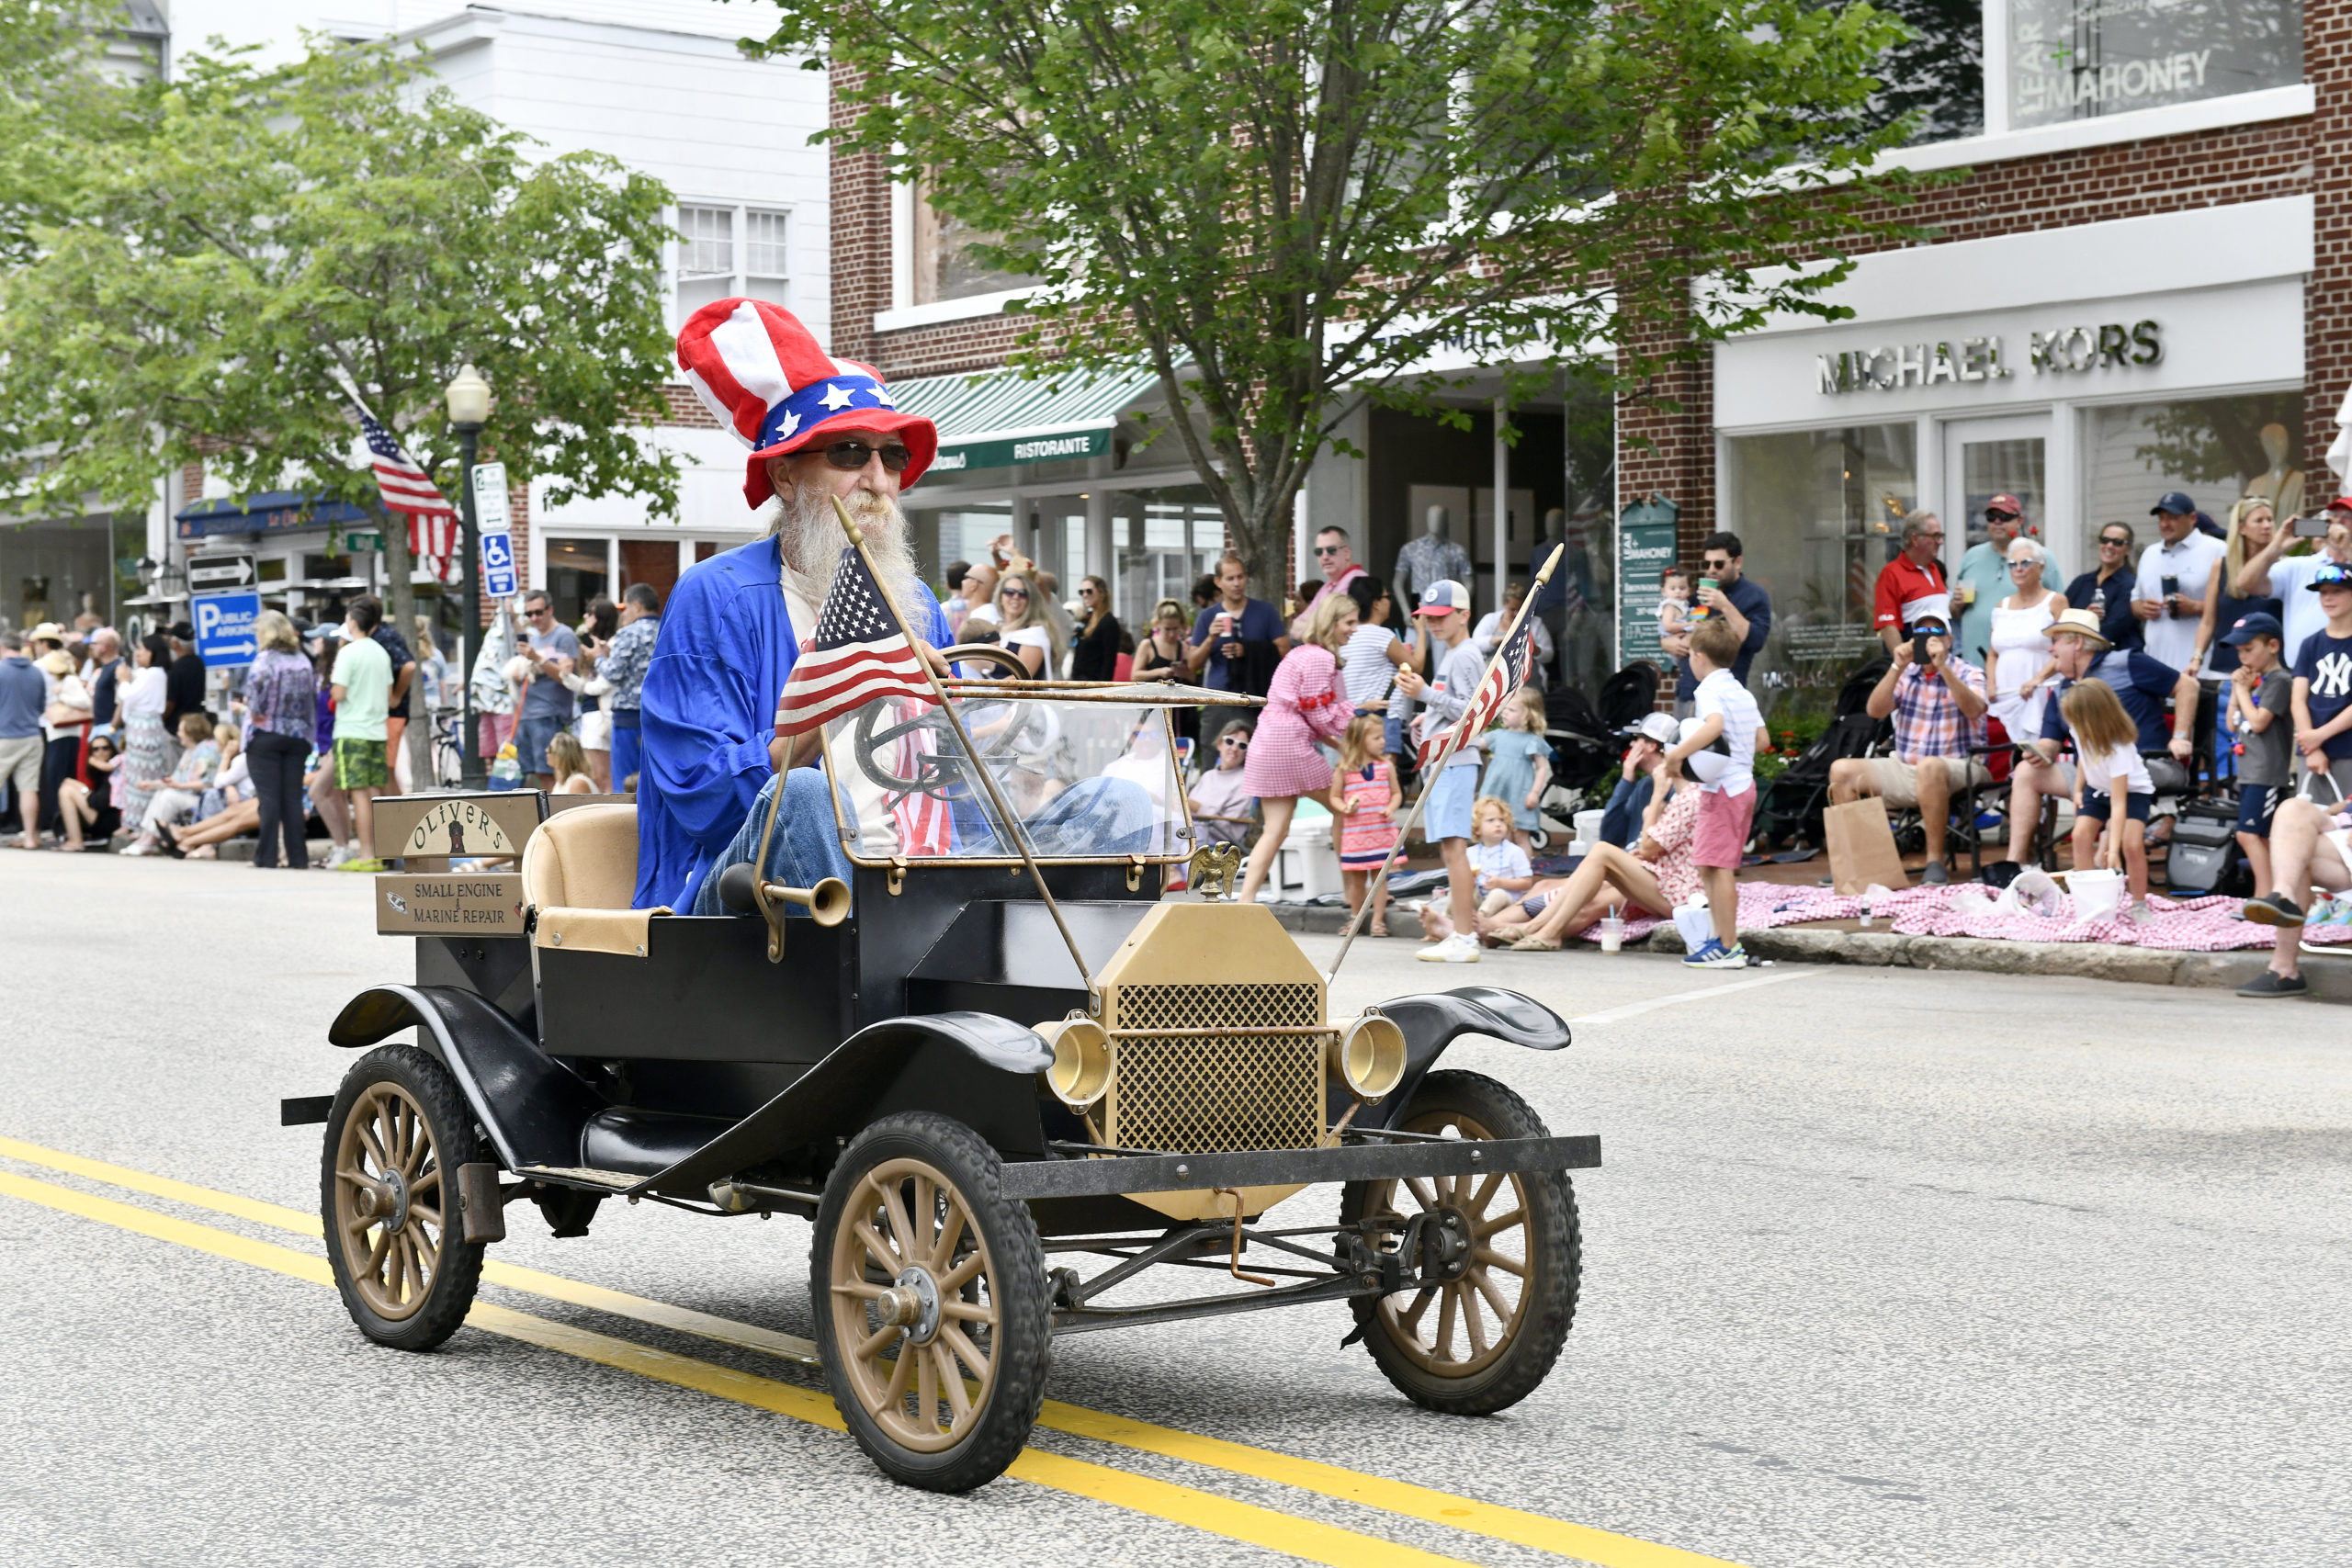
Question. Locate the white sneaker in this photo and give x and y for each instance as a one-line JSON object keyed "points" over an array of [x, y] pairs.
{"points": [[1455, 949], [339, 855]]}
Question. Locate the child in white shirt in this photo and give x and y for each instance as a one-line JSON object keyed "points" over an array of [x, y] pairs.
{"points": [[1674, 601]]}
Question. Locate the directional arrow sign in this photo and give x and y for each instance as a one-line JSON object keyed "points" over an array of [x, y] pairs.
{"points": [[224, 630], [219, 574]]}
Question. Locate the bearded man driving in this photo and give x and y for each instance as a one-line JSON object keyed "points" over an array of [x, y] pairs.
{"points": [[818, 427]]}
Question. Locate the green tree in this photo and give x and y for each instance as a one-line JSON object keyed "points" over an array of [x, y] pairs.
{"points": [[1286, 207], [206, 265]]}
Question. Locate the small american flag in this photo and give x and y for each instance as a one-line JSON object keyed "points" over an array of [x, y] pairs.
{"points": [[1506, 673], [408, 489], [860, 652]]}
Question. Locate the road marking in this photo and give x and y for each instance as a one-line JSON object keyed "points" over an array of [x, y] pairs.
{"points": [[1516, 1526], [1203, 1511], [1700, 994]]}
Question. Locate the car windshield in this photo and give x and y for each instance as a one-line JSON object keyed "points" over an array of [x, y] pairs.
{"points": [[1086, 777]]}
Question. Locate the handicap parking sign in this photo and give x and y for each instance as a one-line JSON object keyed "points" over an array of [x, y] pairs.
{"points": [[224, 630], [498, 565]]}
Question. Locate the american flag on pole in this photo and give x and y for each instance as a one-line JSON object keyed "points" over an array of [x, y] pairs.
{"points": [[1506, 673], [860, 652], [408, 489]]}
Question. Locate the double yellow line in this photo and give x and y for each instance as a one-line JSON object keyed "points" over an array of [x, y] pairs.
{"points": [[1187, 1506]]}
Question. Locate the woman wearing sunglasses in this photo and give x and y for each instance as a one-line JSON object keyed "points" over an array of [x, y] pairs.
{"points": [[2106, 589], [1027, 632], [1094, 652]]}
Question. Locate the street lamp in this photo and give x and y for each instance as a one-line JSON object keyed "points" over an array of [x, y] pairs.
{"points": [[468, 400]]}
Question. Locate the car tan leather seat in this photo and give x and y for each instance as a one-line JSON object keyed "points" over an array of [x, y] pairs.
{"points": [[580, 872]]}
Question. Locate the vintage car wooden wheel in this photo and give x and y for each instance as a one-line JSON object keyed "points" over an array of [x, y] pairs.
{"points": [[1504, 1249], [932, 1317], [388, 1195]]}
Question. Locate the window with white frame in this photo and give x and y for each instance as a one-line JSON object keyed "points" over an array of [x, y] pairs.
{"points": [[724, 252]]}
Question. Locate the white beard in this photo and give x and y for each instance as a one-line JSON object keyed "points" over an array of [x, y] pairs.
{"points": [[813, 542]]}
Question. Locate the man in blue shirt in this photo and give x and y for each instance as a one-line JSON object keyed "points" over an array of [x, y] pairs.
{"points": [[1741, 602], [23, 694], [1236, 644], [2143, 684]]}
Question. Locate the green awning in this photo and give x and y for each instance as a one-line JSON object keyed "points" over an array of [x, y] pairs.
{"points": [[995, 418]]}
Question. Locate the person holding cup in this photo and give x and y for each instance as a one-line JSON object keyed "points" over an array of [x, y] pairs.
{"points": [[1237, 642]]}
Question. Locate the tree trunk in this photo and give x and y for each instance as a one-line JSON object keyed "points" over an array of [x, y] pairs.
{"points": [[399, 610]]}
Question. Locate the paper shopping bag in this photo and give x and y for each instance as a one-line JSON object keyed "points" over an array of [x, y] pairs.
{"points": [[1861, 847]]}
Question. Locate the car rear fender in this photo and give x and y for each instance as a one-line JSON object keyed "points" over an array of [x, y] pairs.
{"points": [[531, 1107], [976, 1067], [1433, 1020]]}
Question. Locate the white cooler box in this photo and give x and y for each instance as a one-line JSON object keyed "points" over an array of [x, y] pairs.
{"points": [[1309, 865]]}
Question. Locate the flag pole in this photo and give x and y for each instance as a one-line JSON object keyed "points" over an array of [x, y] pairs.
{"points": [[956, 721], [1453, 743]]}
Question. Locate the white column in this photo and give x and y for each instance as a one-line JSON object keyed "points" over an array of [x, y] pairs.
{"points": [[2062, 467], [1101, 558], [1502, 504]]}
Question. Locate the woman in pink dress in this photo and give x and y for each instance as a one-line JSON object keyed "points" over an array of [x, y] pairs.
{"points": [[1307, 704]]}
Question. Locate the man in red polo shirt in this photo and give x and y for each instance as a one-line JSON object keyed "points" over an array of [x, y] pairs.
{"points": [[1915, 574]]}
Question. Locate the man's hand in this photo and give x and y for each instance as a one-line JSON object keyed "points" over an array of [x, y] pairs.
{"points": [[2147, 609], [937, 660], [1902, 655], [2179, 745], [1715, 599]]}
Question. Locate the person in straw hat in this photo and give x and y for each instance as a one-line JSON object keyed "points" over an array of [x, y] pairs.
{"points": [[2079, 650]]}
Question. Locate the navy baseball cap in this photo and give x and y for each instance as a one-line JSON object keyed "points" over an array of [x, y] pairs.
{"points": [[2262, 623], [2175, 502], [2335, 574]]}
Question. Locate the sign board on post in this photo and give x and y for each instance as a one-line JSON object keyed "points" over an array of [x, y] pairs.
{"points": [[491, 515], [224, 629], [498, 566], [220, 573], [1645, 547]]}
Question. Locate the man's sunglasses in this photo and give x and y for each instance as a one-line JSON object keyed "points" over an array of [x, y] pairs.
{"points": [[1329, 549], [856, 455], [1992, 516]]}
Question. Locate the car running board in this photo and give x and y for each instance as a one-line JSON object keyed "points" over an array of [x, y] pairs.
{"points": [[580, 1177]]}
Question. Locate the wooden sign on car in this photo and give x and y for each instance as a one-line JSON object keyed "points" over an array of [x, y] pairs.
{"points": [[474, 903]]}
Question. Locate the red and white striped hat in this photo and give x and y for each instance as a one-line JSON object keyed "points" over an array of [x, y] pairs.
{"points": [[761, 374]]}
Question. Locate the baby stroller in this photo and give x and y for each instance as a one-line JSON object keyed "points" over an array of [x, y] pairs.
{"points": [[1793, 803]]}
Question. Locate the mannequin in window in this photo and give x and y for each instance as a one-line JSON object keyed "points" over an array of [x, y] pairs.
{"points": [[2281, 486], [1433, 557]]}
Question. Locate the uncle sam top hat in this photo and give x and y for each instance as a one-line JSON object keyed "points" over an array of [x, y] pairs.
{"points": [[762, 376]]}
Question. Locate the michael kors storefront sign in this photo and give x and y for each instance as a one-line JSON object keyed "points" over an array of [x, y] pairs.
{"points": [[2066, 350]]}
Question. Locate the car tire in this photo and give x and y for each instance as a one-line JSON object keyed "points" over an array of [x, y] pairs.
{"points": [[398, 1131], [1419, 1356], [964, 1288]]}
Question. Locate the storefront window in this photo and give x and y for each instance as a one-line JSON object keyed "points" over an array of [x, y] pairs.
{"points": [[54, 571], [577, 571], [2216, 449], [2072, 59], [1817, 511], [1165, 540], [962, 532]]}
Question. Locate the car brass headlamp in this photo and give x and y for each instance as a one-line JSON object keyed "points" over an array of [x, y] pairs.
{"points": [[1081, 1070], [1371, 1052]]}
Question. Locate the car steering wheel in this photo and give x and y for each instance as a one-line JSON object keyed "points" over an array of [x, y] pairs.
{"points": [[940, 769]]}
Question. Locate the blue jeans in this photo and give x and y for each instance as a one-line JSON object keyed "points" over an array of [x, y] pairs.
{"points": [[628, 749], [808, 846], [532, 734]]}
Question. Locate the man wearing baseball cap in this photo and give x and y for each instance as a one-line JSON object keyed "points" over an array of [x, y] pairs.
{"points": [[2267, 575], [1938, 711], [2169, 597], [1983, 579], [1444, 611]]}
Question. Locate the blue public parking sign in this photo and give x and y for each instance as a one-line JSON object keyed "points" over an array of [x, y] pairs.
{"points": [[224, 630], [498, 565]]}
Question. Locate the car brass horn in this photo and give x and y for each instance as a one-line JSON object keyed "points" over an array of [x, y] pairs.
{"points": [[1081, 1070], [740, 888], [1371, 1052]]}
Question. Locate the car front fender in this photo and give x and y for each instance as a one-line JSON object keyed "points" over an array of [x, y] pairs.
{"points": [[1433, 1020], [529, 1105], [976, 1067]]}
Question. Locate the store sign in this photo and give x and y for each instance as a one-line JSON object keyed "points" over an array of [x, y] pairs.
{"points": [[2062, 351], [954, 456], [1645, 547], [2076, 60]]}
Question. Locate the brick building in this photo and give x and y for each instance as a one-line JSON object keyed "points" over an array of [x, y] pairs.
{"points": [[2126, 295]]}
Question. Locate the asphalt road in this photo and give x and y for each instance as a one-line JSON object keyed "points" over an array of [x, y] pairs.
{"points": [[1884, 1267]]}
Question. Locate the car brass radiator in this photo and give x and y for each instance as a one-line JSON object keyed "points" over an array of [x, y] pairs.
{"points": [[1234, 1088]]}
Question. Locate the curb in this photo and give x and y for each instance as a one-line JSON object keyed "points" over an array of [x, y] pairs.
{"points": [[1885, 950]]}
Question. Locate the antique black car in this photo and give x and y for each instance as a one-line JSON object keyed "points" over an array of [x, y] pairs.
{"points": [[977, 1092]]}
